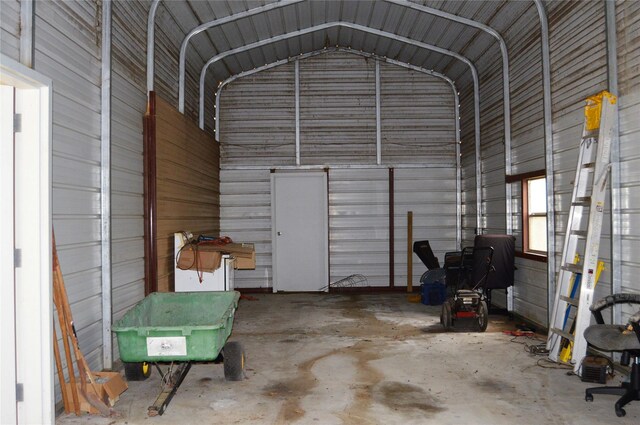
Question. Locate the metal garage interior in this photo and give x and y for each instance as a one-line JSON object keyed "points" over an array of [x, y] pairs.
{"points": [[161, 116]]}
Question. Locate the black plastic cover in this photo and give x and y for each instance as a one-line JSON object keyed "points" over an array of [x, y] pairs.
{"points": [[503, 259]]}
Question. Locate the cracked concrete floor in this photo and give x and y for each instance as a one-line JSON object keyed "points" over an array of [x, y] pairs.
{"points": [[368, 359]]}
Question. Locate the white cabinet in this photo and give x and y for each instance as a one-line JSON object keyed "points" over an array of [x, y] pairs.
{"points": [[189, 281]]}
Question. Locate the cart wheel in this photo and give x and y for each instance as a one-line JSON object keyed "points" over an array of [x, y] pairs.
{"points": [[483, 316], [137, 371], [446, 320], [233, 355]]}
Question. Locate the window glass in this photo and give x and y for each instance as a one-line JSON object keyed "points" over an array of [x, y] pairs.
{"points": [[537, 214], [538, 234], [537, 196]]}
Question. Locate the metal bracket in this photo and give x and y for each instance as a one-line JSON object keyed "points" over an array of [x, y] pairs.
{"points": [[17, 123], [17, 258], [19, 392]]}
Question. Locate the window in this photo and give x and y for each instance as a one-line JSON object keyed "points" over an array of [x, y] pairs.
{"points": [[534, 215], [531, 223]]}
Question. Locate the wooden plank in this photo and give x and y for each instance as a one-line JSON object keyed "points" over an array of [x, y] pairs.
{"points": [[186, 174], [168, 209], [185, 152], [188, 184], [171, 190]]}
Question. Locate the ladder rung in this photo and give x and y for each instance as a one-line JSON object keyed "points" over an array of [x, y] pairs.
{"points": [[569, 300], [573, 268], [563, 334], [583, 201], [579, 233]]}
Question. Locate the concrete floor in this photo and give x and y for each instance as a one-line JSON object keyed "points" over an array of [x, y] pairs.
{"points": [[368, 359]]}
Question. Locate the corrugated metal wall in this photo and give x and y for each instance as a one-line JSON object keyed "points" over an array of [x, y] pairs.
{"points": [[431, 194], [67, 49], [337, 110], [359, 224], [245, 216], [527, 154], [403, 123], [578, 70], [269, 99], [628, 21], [578, 63], [337, 120], [522, 35], [128, 102], [10, 28]]}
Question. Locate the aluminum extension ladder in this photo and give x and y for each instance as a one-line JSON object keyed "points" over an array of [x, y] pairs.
{"points": [[576, 281]]}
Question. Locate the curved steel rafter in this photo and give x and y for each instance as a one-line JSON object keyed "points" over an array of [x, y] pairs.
{"points": [[286, 36], [436, 74], [151, 43], [212, 24], [505, 95], [403, 3]]}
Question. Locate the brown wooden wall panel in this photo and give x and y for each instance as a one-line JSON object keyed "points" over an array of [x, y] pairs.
{"points": [[188, 184]]}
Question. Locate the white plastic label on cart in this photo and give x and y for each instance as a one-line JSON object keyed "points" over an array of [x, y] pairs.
{"points": [[167, 346]]}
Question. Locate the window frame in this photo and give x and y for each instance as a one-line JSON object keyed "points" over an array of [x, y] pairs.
{"points": [[523, 179]]}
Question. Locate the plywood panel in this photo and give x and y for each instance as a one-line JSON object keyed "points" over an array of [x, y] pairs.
{"points": [[187, 184]]}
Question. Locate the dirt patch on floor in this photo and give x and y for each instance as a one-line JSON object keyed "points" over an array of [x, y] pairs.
{"points": [[365, 323], [400, 396], [293, 391], [203, 382], [373, 336]]}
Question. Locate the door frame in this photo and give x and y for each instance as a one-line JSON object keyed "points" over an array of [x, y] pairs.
{"points": [[31, 177], [325, 219]]}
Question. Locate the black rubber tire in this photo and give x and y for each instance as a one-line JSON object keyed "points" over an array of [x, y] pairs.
{"points": [[447, 320], [137, 371], [483, 316], [233, 354]]}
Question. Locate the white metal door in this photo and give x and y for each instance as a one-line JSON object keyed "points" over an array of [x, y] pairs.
{"points": [[26, 356], [299, 231], [7, 290]]}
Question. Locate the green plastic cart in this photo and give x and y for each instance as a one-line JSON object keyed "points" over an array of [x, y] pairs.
{"points": [[176, 329]]}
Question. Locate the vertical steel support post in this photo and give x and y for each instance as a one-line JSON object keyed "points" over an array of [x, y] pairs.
{"points": [[297, 95], [456, 108], [105, 187], [378, 125], [26, 32], [548, 149], [616, 219], [476, 107], [392, 230], [409, 251]]}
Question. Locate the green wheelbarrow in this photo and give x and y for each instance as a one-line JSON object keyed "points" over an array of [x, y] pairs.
{"points": [[175, 330]]}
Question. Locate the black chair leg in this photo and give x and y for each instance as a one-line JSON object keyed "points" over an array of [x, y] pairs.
{"points": [[589, 392], [629, 391], [629, 396]]}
